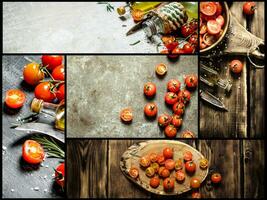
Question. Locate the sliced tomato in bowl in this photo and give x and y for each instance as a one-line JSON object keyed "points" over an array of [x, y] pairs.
{"points": [[208, 8], [220, 20], [213, 27], [209, 39]]}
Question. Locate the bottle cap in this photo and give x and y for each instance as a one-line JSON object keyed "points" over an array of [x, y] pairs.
{"points": [[121, 10], [37, 105]]}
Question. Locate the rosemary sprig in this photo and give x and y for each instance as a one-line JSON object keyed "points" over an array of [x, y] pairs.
{"points": [[109, 7], [50, 146], [135, 43]]}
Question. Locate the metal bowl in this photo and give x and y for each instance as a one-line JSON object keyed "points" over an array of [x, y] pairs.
{"points": [[226, 15]]}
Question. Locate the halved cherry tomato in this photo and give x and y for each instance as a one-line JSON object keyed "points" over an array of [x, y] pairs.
{"points": [[179, 164], [60, 93], [52, 61], [178, 108], [191, 81], [167, 152], [170, 131], [150, 89], [188, 156], [171, 98], [59, 73], [126, 115], [150, 172], [154, 182], [60, 175], [32, 152], [177, 121], [203, 29], [161, 69], [208, 8], [15, 98], [164, 120], [195, 183], [180, 176], [236, 66], [134, 172], [193, 39], [203, 163], [184, 96], [144, 161], [32, 73], [153, 157], [216, 178], [209, 39], [220, 20], [219, 8], [173, 85], [44, 91], [170, 164], [187, 134], [190, 167], [151, 109], [213, 27], [249, 8], [155, 166], [168, 184]]}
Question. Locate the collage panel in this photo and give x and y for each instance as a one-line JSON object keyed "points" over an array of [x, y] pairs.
{"points": [[124, 168], [33, 119], [132, 97]]}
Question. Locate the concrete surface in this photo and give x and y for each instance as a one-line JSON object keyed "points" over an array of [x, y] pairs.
{"points": [[99, 87], [68, 27]]}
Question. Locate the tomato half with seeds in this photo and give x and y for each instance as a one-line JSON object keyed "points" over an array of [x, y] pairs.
{"points": [[203, 163], [155, 166], [151, 109], [177, 121], [178, 108], [60, 175], [164, 120], [190, 167], [126, 115], [161, 68], [188, 156], [150, 89], [45, 91], [179, 164], [187, 134], [220, 20], [167, 152], [144, 161], [180, 176], [249, 8], [154, 182], [208, 8], [33, 74], [15, 98], [171, 98], [59, 73], [133, 172], [168, 184], [150, 172], [32, 152], [213, 27], [191, 81], [153, 157], [173, 85], [170, 131], [216, 178], [184, 96], [195, 183], [60, 93], [169, 164], [236, 66], [51, 61]]}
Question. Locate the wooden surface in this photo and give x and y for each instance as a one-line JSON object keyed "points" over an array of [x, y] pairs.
{"points": [[93, 168], [245, 103]]}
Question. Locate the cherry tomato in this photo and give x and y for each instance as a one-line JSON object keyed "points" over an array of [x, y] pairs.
{"points": [[155, 166], [184, 96], [208, 8], [178, 51], [213, 27], [32, 74], [188, 156], [203, 29], [60, 175], [153, 157], [144, 161], [151, 109], [43, 91], [236, 66], [179, 164], [178, 108], [168, 184], [187, 134], [60, 93], [171, 98], [161, 69], [171, 46], [170, 131], [191, 81], [196, 195], [209, 39], [32, 152], [249, 8], [173, 85], [189, 28], [134, 172], [195, 183], [160, 159], [15, 98], [193, 39], [177, 121], [164, 51], [154, 182], [164, 173], [180, 176], [150, 89], [168, 153], [220, 20], [190, 167], [52, 61], [169, 164], [126, 115], [216, 178], [164, 120], [203, 163], [160, 170], [219, 8], [188, 48], [167, 39], [59, 73], [150, 171]]}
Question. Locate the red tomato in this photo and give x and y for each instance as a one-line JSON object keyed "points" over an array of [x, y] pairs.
{"points": [[144, 161], [59, 73], [171, 98], [188, 156], [52, 61], [219, 8], [187, 134], [213, 27], [167, 153], [171, 46], [164, 173], [178, 51], [196, 195], [208, 8], [190, 167], [195, 183], [168, 184], [32, 152], [249, 8], [220, 20], [43, 91], [177, 121], [188, 48], [169, 164], [193, 39], [15, 98], [189, 28], [151, 109], [161, 69], [191, 81], [216, 178], [173, 85], [178, 108], [160, 159], [203, 29], [164, 51], [60, 175], [32, 74], [164, 120], [184, 96], [150, 89], [134, 172], [154, 182], [180, 176], [153, 157], [170, 131], [126, 115], [60, 93], [236, 66], [179, 164]]}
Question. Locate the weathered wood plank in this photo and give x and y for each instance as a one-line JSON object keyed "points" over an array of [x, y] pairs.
{"points": [[86, 168]]}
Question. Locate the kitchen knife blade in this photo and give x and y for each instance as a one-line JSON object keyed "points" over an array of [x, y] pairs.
{"points": [[208, 97]]}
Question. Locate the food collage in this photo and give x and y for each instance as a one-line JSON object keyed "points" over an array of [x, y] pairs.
{"points": [[133, 99]]}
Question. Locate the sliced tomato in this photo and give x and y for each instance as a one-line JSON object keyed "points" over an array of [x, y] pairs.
{"points": [[219, 8], [213, 27], [203, 29], [202, 45], [220, 20], [209, 39], [32, 152], [15, 98], [208, 8]]}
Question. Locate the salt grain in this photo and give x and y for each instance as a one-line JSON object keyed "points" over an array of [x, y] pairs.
{"points": [[36, 188], [4, 148], [12, 190], [45, 190]]}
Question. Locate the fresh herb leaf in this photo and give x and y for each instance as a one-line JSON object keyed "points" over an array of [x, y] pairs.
{"points": [[109, 7], [135, 43]]}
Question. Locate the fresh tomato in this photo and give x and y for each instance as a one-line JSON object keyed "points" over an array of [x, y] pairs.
{"points": [[187, 134], [169, 164], [213, 27], [126, 115], [249, 8], [216, 178], [177, 121], [188, 48], [195, 183], [203, 163], [153, 157], [177, 51], [178, 108], [164, 173], [151, 109], [161, 69], [15, 98], [60, 175], [144, 161], [33, 74], [203, 29], [52, 61], [218, 8], [196, 195], [160, 159], [164, 120], [154, 182], [134, 172], [171, 46], [202, 45], [190, 167], [209, 39], [150, 89], [180, 176], [60, 93], [208, 8], [59, 73], [167, 39], [150, 171], [191, 81], [179, 164], [236, 66], [44, 91], [155, 166], [189, 28], [167, 152], [193, 39], [32, 152], [164, 51], [168, 184], [220, 20], [173, 85], [171, 98], [188, 156], [184, 96], [170, 131]]}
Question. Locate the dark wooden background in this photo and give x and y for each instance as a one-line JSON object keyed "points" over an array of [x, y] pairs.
{"points": [[93, 168], [246, 103]]}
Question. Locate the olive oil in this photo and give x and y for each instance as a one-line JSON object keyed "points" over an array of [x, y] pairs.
{"points": [[134, 6]]}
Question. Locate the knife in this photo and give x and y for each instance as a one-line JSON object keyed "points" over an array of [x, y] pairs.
{"points": [[41, 128], [215, 101]]}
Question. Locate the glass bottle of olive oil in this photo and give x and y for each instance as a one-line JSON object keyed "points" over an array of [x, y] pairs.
{"points": [[138, 6], [56, 111]]}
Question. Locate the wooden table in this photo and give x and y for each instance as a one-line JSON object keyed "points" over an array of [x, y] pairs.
{"points": [[93, 168], [246, 102]]}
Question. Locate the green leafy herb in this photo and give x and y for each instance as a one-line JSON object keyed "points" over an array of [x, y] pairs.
{"points": [[135, 43], [109, 7]]}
